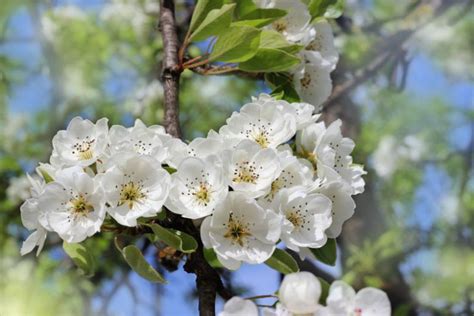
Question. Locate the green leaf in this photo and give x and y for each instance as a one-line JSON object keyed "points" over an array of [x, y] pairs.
{"points": [[273, 39], [46, 176], [137, 262], [236, 44], [330, 9], [170, 170], [282, 84], [282, 262], [215, 23], [211, 258], [201, 10], [324, 291], [244, 7], [81, 257], [261, 17], [269, 60], [175, 238], [327, 253]]}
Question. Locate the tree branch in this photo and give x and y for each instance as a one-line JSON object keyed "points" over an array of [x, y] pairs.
{"points": [[208, 281]]}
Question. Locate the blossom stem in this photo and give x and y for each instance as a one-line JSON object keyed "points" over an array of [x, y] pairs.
{"points": [[261, 296]]}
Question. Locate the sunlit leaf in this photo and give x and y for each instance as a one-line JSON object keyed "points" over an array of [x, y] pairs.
{"points": [[216, 22], [326, 254], [282, 262], [175, 238], [81, 257], [138, 263], [236, 44]]}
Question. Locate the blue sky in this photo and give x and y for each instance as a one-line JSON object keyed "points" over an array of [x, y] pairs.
{"points": [[424, 80]]}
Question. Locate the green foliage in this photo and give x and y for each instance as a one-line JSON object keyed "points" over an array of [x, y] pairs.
{"points": [[269, 60], [260, 17], [330, 9], [324, 290], [81, 257], [201, 10], [273, 39], [282, 85], [211, 258], [326, 254], [215, 23], [135, 259], [282, 262], [236, 44], [174, 238]]}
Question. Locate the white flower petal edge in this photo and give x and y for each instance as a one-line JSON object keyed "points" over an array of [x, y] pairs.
{"points": [[74, 205], [136, 186], [342, 300], [198, 186], [251, 169], [237, 306], [306, 217], [81, 144], [322, 45], [299, 293], [240, 230]]}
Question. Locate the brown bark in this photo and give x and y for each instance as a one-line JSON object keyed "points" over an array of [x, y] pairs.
{"points": [[208, 281]]}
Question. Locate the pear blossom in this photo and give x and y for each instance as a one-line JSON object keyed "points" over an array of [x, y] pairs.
{"points": [[267, 124], [306, 217], [343, 300], [18, 189], [30, 215], [237, 306], [303, 112], [198, 186], [240, 230], [135, 186], [342, 203], [312, 79], [322, 45], [81, 144], [294, 23], [141, 139], [74, 205], [251, 169], [294, 173], [299, 293]]}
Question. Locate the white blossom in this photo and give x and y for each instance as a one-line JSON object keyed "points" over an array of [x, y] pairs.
{"points": [[268, 124], [343, 300], [312, 80], [135, 186], [143, 140], [240, 230], [322, 46], [294, 23], [30, 218], [306, 217], [18, 189], [299, 293], [198, 186], [73, 204], [250, 168], [82, 143], [237, 306]]}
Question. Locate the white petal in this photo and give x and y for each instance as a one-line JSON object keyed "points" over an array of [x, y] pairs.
{"points": [[372, 302], [237, 306]]}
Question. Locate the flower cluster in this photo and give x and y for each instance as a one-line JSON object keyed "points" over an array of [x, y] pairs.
{"points": [[319, 56], [299, 294], [271, 173]]}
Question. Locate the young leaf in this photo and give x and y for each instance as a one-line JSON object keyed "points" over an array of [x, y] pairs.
{"points": [[282, 262], [202, 8], [244, 7], [137, 262], [215, 23], [282, 83], [330, 9], [273, 39], [46, 176], [211, 258], [261, 17], [269, 60], [327, 253], [324, 291], [81, 257], [175, 238], [236, 44]]}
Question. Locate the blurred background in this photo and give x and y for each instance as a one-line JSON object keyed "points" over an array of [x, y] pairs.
{"points": [[403, 88]]}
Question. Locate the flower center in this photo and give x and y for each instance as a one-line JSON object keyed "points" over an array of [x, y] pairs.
{"points": [[80, 206], [280, 25], [245, 172], [315, 45], [310, 156], [202, 194], [83, 149], [306, 80], [261, 138], [130, 193], [295, 219], [275, 187], [237, 231]]}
